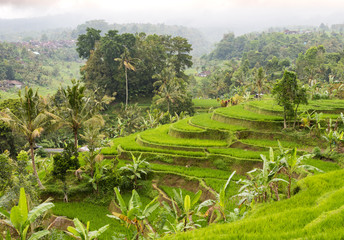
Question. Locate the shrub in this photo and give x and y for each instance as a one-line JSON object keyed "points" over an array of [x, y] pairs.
{"points": [[317, 152], [41, 152], [220, 164]]}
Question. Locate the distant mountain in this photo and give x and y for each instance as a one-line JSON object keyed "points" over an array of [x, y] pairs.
{"points": [[67, 27], [199, 43]]}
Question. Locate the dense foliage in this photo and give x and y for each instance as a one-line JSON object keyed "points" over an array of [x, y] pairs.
{"points": [[153, 54]]}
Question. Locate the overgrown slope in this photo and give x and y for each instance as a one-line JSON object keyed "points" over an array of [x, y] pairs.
{"points": [[316, 212]]}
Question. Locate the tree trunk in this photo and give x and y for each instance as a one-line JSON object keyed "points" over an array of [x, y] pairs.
{"points": [[289, 185], [34, 167], [285, 118], [126, 88], [65, 198], [275, 188], [149, 226], [76, 138], [295, 116], [168, 106]]}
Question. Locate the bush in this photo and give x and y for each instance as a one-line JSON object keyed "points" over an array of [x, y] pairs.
{"points": [[317, 152], [41, 152], [220, 164]]}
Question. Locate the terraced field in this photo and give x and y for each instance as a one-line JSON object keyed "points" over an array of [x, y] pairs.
{"points": [[316, 212], [206, 148]]}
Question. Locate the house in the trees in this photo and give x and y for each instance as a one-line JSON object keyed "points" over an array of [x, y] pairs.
{"points": [[7, 84]]}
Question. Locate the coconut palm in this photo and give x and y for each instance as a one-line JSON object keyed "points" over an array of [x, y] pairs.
{"points": [[126, 62], [260, 81], [20, 218], [93, 139], [169, 87], [76, 109], [29, 121]]}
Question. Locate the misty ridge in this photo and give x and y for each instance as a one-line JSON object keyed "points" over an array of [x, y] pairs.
{"points": [[68, 27]]}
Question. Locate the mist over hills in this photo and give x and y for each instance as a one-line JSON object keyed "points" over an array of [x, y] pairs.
{"points": [[67, 27]]}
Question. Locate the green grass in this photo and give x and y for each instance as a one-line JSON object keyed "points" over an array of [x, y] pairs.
{"points": [[160, 136], [191, 171], [183, 125], [325, 166], [96, 214], [134, 146], [205, 103], [272, 143], [239, 153], [217, 185], [323, 104], [117, 141], [89, 212], [169, 191], [238, 111], [205, 121], [316, 212], [129, 144]]}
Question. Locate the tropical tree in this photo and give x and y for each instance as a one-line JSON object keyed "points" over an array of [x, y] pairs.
{"points": [[29, 121], [5, 172], [169, 88], [136, 168], [76, 108], [289, 94], [260, 81], [100, 168], [126, 62], [135, 214], [93, 139], [83, 233], [86, 42], [20, 218]]}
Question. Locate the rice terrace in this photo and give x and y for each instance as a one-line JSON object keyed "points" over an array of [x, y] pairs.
{"points": [[154, 131]]}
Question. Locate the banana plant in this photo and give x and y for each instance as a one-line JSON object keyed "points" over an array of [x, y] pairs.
{"points": [[333, 137], [219, 209], [98, 175], [184, 207], [20, 219], [83, 233], [260, 181], [136, 169], [292, 163], [134, 214]]}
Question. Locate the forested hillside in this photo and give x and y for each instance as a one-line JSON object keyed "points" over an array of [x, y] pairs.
{"points": [[21, 32], [262, 47], [37, 62]]}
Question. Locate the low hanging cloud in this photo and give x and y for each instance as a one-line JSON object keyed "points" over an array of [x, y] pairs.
{"points": [[28, 3]]}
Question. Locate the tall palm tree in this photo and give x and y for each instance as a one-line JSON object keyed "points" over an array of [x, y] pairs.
{"points": [[76, 109], [260, 81], [29, 121], [126, 61], [169, 87], [93, 139]]}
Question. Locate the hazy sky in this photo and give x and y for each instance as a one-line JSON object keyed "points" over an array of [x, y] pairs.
{"points": [[236, 14]]}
